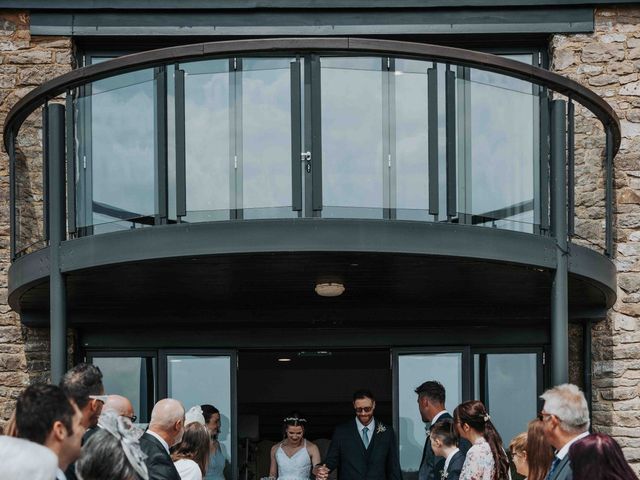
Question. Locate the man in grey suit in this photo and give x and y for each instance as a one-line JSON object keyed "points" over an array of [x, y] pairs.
{"points": [[566, 420]]}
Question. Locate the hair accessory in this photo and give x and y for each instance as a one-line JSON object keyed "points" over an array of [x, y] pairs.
{"points": [[486, 417], [295, 419], [194, 415], [122, 429]]}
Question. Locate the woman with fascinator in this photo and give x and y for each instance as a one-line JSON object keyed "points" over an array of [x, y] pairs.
{"points": [[113, 452], [292, 458], [191, 455]]}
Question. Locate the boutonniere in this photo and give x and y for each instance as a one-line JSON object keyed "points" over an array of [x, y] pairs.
{"points": [[381, 428], [444, 475]]}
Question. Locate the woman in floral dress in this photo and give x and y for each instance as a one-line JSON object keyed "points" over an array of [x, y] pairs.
{"points": [[486, 459]]}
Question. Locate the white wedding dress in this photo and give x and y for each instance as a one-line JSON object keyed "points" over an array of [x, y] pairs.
{"points": [[296, 467]]}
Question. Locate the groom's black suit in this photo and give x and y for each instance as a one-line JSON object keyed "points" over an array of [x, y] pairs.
{"points": [[377, 462]]}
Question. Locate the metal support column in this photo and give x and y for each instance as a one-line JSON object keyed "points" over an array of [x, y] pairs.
{"points": [[586, 356], [559, 292], [57, 222]]}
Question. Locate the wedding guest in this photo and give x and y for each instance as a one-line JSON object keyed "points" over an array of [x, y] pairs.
{"points": [[217, 460], [565, 416], [121, 406], [518, 449], [165, 430], [486, 459], [113, 452], [538, 451], [83, 385], [444, 442], [22, 459], [599, 457], [44, 415], [191, 455]]}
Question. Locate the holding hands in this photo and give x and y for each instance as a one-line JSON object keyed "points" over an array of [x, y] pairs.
{"points": [[321, 472]]}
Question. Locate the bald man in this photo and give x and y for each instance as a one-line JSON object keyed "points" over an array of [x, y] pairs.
{"points": [[165, 430], [121, 405]]}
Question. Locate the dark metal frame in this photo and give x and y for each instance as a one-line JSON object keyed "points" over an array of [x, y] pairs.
{"points": [[163, 355]]}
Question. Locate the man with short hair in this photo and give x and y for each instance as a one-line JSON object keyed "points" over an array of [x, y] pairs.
{"points": [[45, 415], [363, 448], [565, 416], [83, 385], [165, 431], [431, 399]]}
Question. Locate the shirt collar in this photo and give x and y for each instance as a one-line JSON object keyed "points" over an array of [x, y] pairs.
{"points": [[160, 439], [371, 426], [449, 457], [565, 449], [60, 475], [437, 416]]}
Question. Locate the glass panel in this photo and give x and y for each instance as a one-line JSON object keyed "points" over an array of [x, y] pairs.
{"points": [[411, 130], [352, 136], [131, 377], [266, 138], [500, 150], [208, 168], [29, 181], [195, 380], [511, 391], [413, 370], [116, 152]]}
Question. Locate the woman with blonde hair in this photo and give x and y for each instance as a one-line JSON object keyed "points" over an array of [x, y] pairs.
{"points": [[539, 452]]}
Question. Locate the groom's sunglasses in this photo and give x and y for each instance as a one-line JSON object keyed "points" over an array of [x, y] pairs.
{"points": [[363, 409]]}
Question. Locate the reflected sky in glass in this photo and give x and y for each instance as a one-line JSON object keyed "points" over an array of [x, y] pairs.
{"points": [[123, 146], [196, 380]]}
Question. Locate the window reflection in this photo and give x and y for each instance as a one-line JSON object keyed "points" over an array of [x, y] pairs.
{"points": [[131, 377], [413, 370]]}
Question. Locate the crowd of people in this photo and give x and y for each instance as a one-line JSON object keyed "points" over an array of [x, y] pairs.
{"points": [[75, 431]]}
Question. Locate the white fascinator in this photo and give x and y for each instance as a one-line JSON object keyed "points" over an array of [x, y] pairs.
{"points": [[123, 430], [194, 415]]}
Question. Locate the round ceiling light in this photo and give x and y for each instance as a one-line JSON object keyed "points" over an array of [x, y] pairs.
{"points": [[329, 289]]}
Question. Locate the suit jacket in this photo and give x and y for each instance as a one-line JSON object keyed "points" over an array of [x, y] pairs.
{"points": [[454, 468], [159, 463], [430, 465], [563, 470], [377, 462]]}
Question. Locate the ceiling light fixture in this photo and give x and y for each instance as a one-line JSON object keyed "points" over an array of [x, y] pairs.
{"points": [[284, 359], [330, 289]]}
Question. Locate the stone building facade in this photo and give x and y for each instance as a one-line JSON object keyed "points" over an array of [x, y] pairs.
{"points": [[607, 61]]}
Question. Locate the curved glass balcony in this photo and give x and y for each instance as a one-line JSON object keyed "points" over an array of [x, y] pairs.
{"points": [[312, 133]]}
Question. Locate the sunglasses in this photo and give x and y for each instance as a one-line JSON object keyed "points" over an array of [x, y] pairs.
{"points": [[100, 398], [133, 418], [363, 409]]}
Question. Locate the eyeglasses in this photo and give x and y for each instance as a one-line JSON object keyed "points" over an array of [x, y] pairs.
{"points": [[363, 409], [133, 418], [100, 398]]}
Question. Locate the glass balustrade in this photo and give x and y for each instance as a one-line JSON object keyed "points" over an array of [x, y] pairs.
{"points": [[330, 136]]}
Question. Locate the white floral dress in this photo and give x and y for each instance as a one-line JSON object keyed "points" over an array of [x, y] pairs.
{"points": [[479, 464]]}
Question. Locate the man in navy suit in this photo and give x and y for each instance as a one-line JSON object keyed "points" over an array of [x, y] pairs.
{"points": [[431, 398], [364, 448], [165, 430], [566, 420]]}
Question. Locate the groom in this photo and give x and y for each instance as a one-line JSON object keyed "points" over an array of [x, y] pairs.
{"points": [[363, 448]]}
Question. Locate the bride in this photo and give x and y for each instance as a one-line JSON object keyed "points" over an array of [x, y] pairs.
{"points": [[293, 458]]}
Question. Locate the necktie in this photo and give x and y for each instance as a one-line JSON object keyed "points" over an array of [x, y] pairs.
{"points": [[365, 437], [554, 465]]}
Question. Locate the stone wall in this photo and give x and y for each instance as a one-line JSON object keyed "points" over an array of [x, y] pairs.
{"points": [[608, 62], [25, 63]]}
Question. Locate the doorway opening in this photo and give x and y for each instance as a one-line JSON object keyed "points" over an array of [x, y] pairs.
{"points": [[316, 383]]}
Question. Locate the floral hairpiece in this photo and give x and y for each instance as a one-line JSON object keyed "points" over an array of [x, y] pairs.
{"points": [[295, 419], [123, 430], [486, 417]]}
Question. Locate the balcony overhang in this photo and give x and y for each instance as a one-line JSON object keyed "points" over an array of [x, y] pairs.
{"points": [[230, 269]]}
